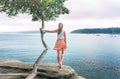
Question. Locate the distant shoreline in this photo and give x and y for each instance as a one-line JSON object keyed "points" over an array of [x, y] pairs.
{"points": [[98, 31], [111, 30]]}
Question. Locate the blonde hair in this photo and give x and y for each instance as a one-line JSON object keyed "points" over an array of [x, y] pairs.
{"points": [[60, 27]]}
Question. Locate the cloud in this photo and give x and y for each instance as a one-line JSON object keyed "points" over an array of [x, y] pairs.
{"points": [[99, 9], [17, 23], [83, 14]]}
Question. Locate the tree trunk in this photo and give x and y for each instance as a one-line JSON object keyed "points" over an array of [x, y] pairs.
{"points": [[42, 35], [35, 66]]}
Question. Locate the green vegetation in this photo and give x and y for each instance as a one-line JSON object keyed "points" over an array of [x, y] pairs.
{"points": [[98, 30], [41, 10]]}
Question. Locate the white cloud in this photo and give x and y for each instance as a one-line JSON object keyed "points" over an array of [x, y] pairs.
{"points": [[94, 8], [83, 14]]}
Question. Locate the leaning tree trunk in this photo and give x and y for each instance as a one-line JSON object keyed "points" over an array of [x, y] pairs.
{"points": [[35, 66]]}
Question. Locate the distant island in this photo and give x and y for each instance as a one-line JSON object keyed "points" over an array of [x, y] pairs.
{"points": [[34, 31], [98, 30]]}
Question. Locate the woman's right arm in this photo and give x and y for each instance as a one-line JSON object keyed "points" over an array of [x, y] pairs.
{"points": [[50, 31]]}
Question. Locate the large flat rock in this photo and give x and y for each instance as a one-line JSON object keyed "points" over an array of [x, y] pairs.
{"points": [[14, 69]]}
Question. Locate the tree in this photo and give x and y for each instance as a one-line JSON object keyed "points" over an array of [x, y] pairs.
{"points": [[41, 10]]}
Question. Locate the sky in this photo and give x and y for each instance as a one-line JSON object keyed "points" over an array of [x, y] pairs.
{"points": [[83, 14]]}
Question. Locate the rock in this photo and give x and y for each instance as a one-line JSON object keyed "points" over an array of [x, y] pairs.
{"points": [[14, 69]]}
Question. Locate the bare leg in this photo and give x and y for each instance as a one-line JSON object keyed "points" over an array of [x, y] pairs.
{"points": [[58, 58], [62, 56]]}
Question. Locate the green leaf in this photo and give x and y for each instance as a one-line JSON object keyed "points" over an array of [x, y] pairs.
{"points": [[39, 9]]}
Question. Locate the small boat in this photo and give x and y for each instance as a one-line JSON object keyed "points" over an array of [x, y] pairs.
{"points": [[97, 35]]}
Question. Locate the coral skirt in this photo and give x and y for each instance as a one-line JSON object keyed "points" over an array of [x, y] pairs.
{"points": [[60, 44]]}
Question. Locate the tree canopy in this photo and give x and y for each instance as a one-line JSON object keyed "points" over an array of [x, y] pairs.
{"points": [[39, 9]]}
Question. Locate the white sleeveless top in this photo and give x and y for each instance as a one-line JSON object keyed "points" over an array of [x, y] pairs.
{"points": [[61, 35]]}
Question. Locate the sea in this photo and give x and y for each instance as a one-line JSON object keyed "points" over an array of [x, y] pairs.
{"points": [[93, 56]]}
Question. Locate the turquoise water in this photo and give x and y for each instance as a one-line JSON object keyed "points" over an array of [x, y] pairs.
{"points": [[93, 57]]}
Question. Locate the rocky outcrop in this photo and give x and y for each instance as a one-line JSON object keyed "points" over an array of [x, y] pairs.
{"points": [[14, 69]]}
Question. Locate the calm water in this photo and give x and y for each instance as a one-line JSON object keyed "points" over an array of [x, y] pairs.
{"points": [[93, 57]]}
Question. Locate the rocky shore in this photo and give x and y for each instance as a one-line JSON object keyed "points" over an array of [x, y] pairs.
{"points": [[14, 69]]}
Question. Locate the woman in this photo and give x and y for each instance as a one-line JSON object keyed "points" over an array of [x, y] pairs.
{"points": [[61, 43]]}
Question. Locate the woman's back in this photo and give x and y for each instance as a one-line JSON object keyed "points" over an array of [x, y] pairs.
{"points": [[61, 35]]}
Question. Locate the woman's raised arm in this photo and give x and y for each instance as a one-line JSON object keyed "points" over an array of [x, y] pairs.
{"points": [[50, 31]]}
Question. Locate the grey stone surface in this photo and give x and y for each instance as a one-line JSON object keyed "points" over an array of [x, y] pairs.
{"points": [[14, 69]]}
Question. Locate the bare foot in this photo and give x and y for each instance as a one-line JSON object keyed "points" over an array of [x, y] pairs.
{"points": [[61, 63], [59, 66]]}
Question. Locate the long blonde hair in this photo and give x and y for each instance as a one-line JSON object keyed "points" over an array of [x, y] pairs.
{"points": [[60, 27]]}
